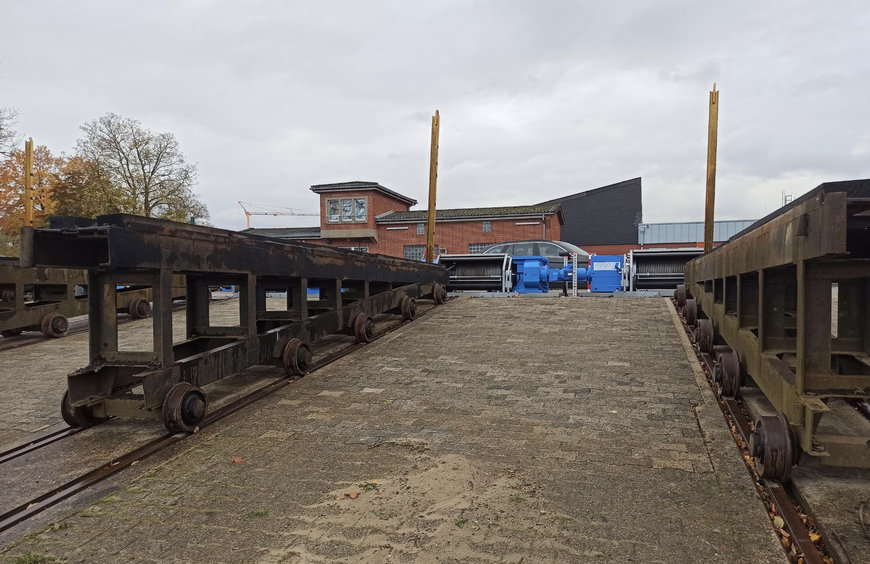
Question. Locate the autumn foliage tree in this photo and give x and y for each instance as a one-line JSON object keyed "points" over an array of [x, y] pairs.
{"points": [[46, 169], [80, 189], [148, 170]]}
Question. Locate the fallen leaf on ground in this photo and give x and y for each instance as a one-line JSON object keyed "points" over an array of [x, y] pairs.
{"points": [[778, 522], [237, 459], [815, 537], [353, 495]]}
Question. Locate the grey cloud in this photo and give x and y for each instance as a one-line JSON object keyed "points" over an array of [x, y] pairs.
{"points": [[537, 99]]}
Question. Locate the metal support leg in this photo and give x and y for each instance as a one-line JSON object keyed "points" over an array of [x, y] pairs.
{"points": [[162, 297], [103, 335]]}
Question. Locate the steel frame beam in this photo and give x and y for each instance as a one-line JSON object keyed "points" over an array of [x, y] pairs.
{"points": [[149, 252], [769, 295]]}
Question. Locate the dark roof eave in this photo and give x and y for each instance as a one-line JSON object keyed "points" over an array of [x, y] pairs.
{"points": [[347, 187]]}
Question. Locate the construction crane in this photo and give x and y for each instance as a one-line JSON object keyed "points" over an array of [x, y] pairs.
{"points": [[268, 210]]}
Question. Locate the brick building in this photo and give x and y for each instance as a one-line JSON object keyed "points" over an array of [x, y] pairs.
{"points": [[368, 217]]}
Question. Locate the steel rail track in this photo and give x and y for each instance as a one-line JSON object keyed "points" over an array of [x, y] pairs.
{"points": [[36, 442], [777, 494], [39, 504]]}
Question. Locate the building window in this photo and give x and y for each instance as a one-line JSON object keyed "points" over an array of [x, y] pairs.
{"points": [[477, 248], [487, 226], [421, 228], [346, 210], [416, 252], [332, 210]]}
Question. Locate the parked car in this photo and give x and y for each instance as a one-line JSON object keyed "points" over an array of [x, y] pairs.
{"points": [[555, 252]]}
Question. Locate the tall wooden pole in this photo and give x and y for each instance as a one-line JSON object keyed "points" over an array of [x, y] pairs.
{"points": [[28, 183], [433, 182], [712, 133]]}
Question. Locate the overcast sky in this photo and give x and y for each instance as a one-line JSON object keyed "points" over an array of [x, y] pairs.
{"points": [[538, 99]]}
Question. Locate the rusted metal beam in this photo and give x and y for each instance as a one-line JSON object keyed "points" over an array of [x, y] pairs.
{"points": [[791, 296], [352, 286]]}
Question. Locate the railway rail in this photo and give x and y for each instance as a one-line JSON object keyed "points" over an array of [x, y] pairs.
{"points": [[778, 498], [38, 504]]}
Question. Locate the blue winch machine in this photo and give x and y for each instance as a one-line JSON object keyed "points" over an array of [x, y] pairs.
{"points": [[533, 274]]}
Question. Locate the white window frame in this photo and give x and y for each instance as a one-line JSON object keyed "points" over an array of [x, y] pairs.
{"points": [[421, 229], [487, 227], [340, 203]]}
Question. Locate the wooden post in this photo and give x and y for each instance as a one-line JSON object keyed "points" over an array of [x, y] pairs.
{"points": [[433, 181], [712, 132], [28, 183]]}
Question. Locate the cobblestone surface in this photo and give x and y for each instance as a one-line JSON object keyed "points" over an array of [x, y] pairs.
{"points": [[488, 431]]}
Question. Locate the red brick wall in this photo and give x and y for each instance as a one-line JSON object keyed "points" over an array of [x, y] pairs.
{"points": [[454, 236], [451, 236]]}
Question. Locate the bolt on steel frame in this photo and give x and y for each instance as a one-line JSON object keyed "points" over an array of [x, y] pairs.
{"points": [[770, 293], [122, 248]]}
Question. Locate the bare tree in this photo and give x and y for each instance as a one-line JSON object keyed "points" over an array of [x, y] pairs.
{"points": [[149, 169], [8, 136]]}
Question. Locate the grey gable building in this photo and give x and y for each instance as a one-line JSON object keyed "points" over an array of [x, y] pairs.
{"points": [[604, 216]]}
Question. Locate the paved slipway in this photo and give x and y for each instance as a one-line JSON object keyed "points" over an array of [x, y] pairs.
{"points": [[490, 430]]}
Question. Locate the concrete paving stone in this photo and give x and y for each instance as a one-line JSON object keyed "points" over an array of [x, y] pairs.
{"points": [[465, 472]]}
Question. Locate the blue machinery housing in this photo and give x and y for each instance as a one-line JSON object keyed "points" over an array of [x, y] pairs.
{"points": [[530, 274]]}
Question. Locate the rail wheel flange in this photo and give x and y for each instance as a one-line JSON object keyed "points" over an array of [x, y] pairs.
{"points": [[691, 311], [409, 308], [54, 325], [680, 295], [773, 446], [727, 374], [439, 294], [184, 408], [296, 358], [705, 335], [364, 328], [79, 417], [139, 308]]}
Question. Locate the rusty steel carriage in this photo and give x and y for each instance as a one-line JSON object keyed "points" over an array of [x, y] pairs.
{"points": [[165, 380], [44, 298], [790, 296]]}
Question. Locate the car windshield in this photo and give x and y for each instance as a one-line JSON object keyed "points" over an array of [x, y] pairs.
{"points": [[572, 248]]}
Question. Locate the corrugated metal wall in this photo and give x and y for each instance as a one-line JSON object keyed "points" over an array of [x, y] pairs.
{"points": [[688, 232]]}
